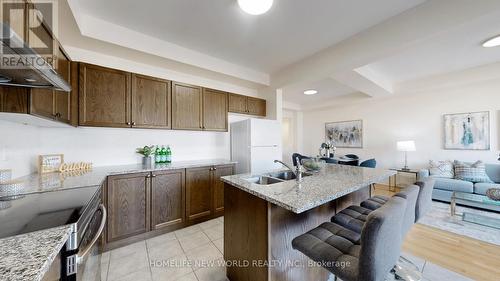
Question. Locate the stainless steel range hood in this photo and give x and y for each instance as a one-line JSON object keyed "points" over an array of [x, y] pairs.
{"points": [[22, 66]]}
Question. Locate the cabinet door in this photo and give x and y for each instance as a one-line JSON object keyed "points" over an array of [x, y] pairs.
{"points": [[104, 97], [186, 107], [198, 193], [39, 35], [168, 198], [13, 99], [151, 102], [63, 99], [218, 186], [256, 106], [237, 103], [214, 110], [128, 205], [42, 103]]}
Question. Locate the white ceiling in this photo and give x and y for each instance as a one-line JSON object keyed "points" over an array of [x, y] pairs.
{"points": [[289, 32], [327, 89], [457, 49]]}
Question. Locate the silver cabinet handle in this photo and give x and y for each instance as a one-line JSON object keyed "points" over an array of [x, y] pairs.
{"points": [[82, 253], [153, 176]]}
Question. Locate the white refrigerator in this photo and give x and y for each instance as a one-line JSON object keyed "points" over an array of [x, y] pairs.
{"points": [[255, 144]]}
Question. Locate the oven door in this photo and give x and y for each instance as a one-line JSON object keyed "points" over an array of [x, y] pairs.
{"points": [[88, 258]]}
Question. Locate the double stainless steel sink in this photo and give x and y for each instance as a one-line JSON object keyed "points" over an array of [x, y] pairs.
{"points": [[274, 178]]}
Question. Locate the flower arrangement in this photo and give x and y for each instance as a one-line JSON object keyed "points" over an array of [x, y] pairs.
{"points": [[146, 151]]}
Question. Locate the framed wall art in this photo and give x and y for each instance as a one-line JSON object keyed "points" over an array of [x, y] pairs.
{"points": [[347, 134], [467, 131]]}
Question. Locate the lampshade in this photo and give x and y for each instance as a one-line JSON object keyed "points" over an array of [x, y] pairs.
{"points": [[406, 146]]}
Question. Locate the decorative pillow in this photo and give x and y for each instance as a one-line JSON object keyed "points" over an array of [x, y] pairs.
{"points": [[471, 172], [441, 169]]}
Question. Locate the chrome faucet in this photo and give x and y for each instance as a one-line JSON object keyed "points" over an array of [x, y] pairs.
{"points": [[297, 172]]}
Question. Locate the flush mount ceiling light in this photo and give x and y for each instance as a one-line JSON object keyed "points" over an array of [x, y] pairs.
{"points": [[310, 92], [493, 42], [255, 7]]}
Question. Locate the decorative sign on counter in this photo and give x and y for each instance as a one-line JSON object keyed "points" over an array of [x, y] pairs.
{"points": [[77, 166], [50, 163]]}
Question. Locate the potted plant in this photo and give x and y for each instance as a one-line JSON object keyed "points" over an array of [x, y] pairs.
{"points": [[146, 152]]}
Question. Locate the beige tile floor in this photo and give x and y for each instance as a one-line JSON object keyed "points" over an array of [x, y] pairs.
{"points": [[192, 253], [195, 253]]}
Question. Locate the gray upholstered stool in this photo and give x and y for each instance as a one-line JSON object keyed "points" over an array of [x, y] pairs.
{"points": [[354, 217], [368, 256], [405, 269], [424, 200]]}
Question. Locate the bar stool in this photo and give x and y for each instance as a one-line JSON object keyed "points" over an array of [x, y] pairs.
{"points": [[424, 200], [371, 255], [354, 217]]}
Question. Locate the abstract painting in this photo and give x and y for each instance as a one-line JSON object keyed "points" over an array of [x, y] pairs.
{"points": [[470, 131], [345, 133]]}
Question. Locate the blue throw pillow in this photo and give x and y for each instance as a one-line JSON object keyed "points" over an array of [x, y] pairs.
{"points": [[475, 172]]}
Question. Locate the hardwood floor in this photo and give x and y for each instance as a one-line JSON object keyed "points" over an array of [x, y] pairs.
{"points": [[470, 257]]}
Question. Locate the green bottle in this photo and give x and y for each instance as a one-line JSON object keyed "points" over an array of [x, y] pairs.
{"points": [[169, 154], [163, 154], [157, 154]]}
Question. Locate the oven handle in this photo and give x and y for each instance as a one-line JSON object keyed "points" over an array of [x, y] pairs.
{"points": [[85, 252]]}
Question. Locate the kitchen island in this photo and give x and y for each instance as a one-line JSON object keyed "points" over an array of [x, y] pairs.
{"points": [[261, 220]]}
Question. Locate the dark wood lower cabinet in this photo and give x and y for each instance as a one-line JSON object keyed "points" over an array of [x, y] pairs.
{"points": [[128, 205], [198, 193], [168, 203], [144, 205], [218, 186]]}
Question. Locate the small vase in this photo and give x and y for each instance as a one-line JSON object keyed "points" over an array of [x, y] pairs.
{"points": [[146, 162]]}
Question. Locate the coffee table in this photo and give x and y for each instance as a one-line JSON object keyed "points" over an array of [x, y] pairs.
{"points": [[479, 201]]}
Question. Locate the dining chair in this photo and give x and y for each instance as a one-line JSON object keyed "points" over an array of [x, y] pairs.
{"points": [[370, 163], [294, 158]]}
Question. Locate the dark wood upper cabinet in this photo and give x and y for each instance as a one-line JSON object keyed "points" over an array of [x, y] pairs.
{"points": [[128, 205], [215, 105], [218, 187], [151, 102], [256, 106], [247, 105], [186, 107], [198, 193], [14, 99], [42, 103], [237, 103], [39, 35], [168, 202], [104, 96], [62, 100], [39, 38]]}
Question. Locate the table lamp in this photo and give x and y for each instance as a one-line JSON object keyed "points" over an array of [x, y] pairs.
{"points": [[406, 146]]}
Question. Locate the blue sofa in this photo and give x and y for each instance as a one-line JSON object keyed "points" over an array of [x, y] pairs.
{"points": [[443, 189]]}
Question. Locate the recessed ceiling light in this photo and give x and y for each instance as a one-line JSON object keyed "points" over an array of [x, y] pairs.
{"points": [[493, 42], [310, 92], [255, 7]]}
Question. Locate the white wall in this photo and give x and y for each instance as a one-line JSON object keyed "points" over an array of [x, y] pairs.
{"points": [[416, 116], [20, 144], [103, 146]]}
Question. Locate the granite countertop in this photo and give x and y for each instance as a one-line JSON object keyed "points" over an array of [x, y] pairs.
{"points": [[36, 183], [27, 257], [332, 182]]}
